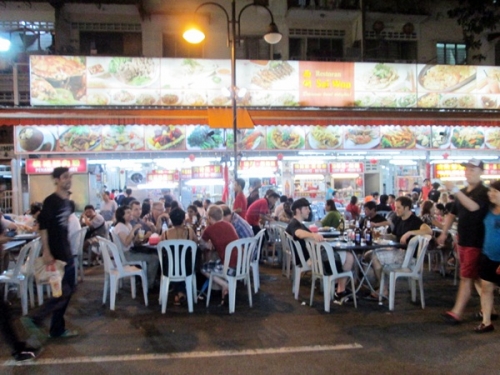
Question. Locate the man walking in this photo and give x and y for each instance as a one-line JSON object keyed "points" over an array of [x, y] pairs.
{"points": [[471, 207], [53, 222]]}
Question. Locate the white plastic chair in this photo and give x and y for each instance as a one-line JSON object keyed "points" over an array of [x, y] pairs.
{"points": [[76, 241], [413, 271], [286, 254], [269, 249], [297, 251], [114, 270], [178, 253], [244, 248], [20, 274], [140, 263], [254, 263], [318, 273]]}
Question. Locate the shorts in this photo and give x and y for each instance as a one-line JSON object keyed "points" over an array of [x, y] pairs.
{"points": [[488, 270], [390, 256], [216, 267], [469, 261]]}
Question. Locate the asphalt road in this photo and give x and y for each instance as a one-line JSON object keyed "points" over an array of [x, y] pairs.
{"points": [[279, 335]]}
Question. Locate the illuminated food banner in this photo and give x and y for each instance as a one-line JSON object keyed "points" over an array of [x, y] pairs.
{"points": [[208, 171], [186, 173], [162, 176], [455, 170], [310, 168], [200, 138], [143, 81], [256, 164], [342, 167], [46, 166]]}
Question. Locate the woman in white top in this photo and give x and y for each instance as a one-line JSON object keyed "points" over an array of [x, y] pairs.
{"points": [[73, 225], [128, 235]]}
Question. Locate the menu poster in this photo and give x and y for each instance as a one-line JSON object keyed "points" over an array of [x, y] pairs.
{"points": [[326, 84], [310, 168], [208, 171], [258, 164], [397, 137], [162, 176], [285, 138], [346, 167], [144, 81], [455, 170], [46, 166], [491, 169], [186, 173]]}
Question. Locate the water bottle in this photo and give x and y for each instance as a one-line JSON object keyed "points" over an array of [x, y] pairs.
{"points": [[164, 227]]}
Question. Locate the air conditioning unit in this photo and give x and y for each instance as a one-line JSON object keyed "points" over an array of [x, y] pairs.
{"points": [[135, 178]]}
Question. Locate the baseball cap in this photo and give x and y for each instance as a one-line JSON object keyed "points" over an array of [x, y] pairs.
{"points": [[299, 203], [473, 163]]}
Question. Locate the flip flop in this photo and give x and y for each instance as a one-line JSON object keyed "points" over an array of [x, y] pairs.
{"points": [[451, 318]]}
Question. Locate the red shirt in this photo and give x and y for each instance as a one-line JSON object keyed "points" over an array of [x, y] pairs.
{"points": [[220, 234], [257, 208], [240, 202], [354, 210], [425, 192]]}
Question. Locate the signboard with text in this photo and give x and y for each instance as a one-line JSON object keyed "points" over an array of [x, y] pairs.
{"points": [[310, 168], [46, 166], [346, 167], [208, 171]]}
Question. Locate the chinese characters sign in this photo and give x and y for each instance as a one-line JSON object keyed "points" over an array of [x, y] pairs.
{"points": [[251, 164], [208, 171], [163, 176], [46, 166], [310, 168], [346, 167]]}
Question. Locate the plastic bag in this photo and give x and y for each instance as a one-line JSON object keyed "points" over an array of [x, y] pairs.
{"points": [[44, 272]]}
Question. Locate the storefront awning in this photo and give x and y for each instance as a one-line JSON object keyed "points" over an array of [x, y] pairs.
{"points": [[247, 117]]}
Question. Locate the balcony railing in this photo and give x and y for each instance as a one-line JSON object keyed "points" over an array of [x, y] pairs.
{"points": [[324, 4]]}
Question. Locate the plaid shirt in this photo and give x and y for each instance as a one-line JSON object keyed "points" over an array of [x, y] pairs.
{"points": [[243, 229]]}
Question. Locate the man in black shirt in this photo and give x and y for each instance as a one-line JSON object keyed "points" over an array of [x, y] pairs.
{"points": [[383, 206], [434, 194], [471, 207], [376, 220], [128, 198], [301, 209], [53, 222], [404, 226]]}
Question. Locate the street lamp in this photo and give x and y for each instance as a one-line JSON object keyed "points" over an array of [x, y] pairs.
{"points": [[194, 35]]}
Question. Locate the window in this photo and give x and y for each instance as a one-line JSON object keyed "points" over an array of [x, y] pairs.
{"points": [[316, 49], [451, 53], [110, 43], [174, 45], [253, 48], [390, 50]]}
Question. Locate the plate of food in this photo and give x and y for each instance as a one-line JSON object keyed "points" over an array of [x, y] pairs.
{"points": [[407, 100], [80, 138], [467, 137], [446, 78], [252, 139], [273, 74], [325, 137], [97, 98], [380, 77], [171, 98], [448, 101], [363, 137], [488, 101], [135, 71], [193, 98], [430, 100], [493, 138], [466, 101], [123, 97], [285, 138], [397, 137], [202, 137], [123, 138], [39, 139], [164, 137], [147, 98]]}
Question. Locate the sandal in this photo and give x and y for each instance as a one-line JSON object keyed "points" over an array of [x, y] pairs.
{"points": [[224, 300], [451, 318]]}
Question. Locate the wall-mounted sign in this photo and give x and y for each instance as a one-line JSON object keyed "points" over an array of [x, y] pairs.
{"points": [[46, 166], [252, 164], [186, 173], [455, 170], [163, 176], [346, 167], [208, 171], [310, 168]]}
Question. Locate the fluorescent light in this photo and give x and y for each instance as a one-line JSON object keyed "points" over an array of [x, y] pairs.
{"points": [[403, 162], [4, 44], [309, 177], [350, 157], [157, 185], [205, 181]]}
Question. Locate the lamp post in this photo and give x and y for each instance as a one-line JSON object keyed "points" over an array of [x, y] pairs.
{"points": [[195, 35]]}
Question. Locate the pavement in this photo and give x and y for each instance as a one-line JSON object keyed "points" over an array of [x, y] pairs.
{"points": [[278, 335]]}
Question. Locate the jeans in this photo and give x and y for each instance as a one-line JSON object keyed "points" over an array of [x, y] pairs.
{"points": [[57, 306]]}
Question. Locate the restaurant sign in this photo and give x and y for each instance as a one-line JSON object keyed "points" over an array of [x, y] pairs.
{"points": [[455, 170], [254, 164], [162, 176], [46, 166], [186, 173], [310, 168], [346, 167], [208, 171]]}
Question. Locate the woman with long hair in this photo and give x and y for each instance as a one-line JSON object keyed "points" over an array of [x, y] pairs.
{"points": [[428, 214], [353, 208], [333, 216]]}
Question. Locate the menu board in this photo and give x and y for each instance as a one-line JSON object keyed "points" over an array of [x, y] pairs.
{"points": [[310, 168], [46, 166], [208, 171], [145, 81], [202, 138], [346, 167], [162, 176]]}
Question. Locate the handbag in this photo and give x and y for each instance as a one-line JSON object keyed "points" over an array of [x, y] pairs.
{"points": [[43, 271]]}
